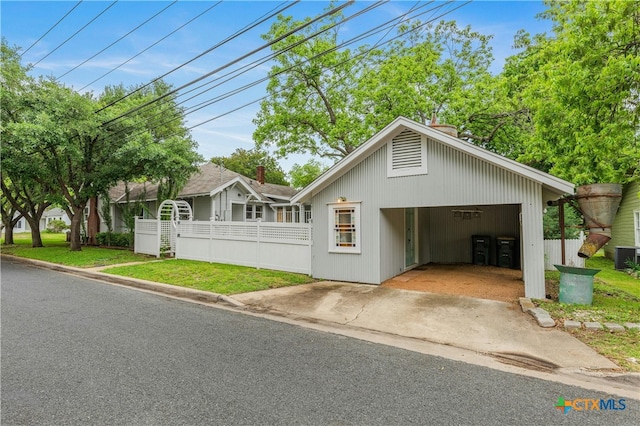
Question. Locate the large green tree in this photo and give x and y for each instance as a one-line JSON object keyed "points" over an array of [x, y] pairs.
{"points": [[59, 140], [20, 191], [309, 107], [582, 86], [246, 162], [303, 174], [325, 100]]}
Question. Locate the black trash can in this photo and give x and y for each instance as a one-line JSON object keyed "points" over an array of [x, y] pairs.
{"points": [[506, 252], [480, 245]]}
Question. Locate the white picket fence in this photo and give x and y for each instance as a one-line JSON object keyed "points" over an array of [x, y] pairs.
{"points": [[553, 253], [268, 245]]}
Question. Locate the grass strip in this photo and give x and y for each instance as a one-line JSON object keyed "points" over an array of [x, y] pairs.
{"points": [[213, 277]]}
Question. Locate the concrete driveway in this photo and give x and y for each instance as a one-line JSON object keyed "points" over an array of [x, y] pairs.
{"points": [[485, 326]]}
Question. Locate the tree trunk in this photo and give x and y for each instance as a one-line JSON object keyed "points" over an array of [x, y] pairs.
{"points": [[8, 235], [93, 222], [34, 224], [76, 226]]}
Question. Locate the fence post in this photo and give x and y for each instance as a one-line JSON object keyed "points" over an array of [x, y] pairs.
{"points": [[158, 236], [135, 235], [211, 240], [258, 243]]}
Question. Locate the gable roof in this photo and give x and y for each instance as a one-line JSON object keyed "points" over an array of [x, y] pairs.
{"points": [[209, 177], [550, 183]]}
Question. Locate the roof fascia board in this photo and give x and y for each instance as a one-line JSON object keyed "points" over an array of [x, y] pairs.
{"points": [[346, 163], [279, 197], [232, 182], [401, 123]]}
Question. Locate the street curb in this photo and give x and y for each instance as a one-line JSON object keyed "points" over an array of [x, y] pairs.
{"points": [[168, 289]]}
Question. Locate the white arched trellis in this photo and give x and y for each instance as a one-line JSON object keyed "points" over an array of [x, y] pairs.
{"points": [[170, 213]]}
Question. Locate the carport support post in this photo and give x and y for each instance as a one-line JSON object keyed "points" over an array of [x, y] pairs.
{"points": [[562, 234]]}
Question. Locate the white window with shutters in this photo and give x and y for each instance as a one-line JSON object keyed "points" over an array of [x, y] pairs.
{"points": [[407, 154]]}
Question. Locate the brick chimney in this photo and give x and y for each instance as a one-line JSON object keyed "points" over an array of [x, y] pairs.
{"points": [[260, 175], [444, 128]]}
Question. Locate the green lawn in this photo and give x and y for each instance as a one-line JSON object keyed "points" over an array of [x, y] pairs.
{"points": [[616, 298], [214, 277], [56, 250], [217, 278]]}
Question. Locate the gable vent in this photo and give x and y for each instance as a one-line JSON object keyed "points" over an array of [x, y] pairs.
{"points": [[407, 154]]}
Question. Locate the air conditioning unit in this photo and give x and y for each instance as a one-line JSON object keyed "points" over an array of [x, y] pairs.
{"points": [[625, 254]]}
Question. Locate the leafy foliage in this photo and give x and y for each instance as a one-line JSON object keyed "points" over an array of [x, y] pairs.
{"points": [[114, 239], [246, 163], [582, 86], [303, 175], [63, 147], [56, 226], [551, 223], [326, 101]]}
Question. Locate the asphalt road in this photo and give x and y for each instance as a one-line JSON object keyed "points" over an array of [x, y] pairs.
{"points": [[77, 351]]}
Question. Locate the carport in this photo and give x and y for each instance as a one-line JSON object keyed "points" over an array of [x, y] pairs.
{"points": [[412, 196]]}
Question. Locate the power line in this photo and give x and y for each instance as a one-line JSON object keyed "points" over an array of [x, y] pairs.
{"points": [[231, 37], [382, 27], [257, 63], [270, 43], [152, 45], [76, 33], [50, 29], [327, 51], [121, 38]]}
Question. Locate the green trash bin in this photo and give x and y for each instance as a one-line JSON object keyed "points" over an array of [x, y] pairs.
{"points": [[576, 284]]}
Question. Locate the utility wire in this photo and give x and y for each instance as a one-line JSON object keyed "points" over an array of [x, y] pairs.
{"points": [[368, 33], [231, 37], [76, 33], [246, 55], [152, 45], [377, 29], [50, 29], [329, 50], [382, 27], [124, 36]]}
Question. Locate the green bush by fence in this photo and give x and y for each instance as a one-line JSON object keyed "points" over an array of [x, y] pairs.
{"points": [[114, 239]]}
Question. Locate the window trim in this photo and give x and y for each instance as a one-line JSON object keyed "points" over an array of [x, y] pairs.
{"points": [[251, 213], [332, 229], [636, 224]]}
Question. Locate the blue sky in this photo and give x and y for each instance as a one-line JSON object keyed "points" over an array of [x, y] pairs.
{"points": [[24, 22]]}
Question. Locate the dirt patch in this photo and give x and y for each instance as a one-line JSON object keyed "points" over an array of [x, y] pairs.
{"points": [[482, 282]]}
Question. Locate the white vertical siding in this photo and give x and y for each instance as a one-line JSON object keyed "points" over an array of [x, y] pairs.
{"points": [[450, 237], [553, 253], [454, 179], [392, 243]]}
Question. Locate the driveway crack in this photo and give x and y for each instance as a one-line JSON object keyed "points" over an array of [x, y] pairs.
{"points": [[356, 317]]}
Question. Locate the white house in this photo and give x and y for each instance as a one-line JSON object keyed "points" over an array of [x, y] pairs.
{"points": [[53, 213], [216, 193], [412, 195]]}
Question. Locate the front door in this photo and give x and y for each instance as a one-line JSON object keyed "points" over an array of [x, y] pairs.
{"points": [[410, 237]]}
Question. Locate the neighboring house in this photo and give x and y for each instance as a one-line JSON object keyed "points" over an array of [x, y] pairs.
{"points": [[49, 215], [55, 213], [21, 226], [216, 193], [412, 195], [625, 231]]}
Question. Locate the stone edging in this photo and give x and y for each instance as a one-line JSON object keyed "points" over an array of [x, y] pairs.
{"points": [[544, 320]]}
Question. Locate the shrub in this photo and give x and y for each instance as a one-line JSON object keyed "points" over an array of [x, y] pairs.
{"points": [[56, 226], [114, 239]]}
